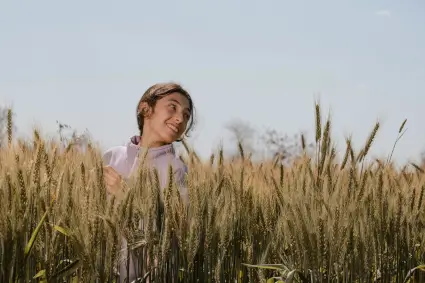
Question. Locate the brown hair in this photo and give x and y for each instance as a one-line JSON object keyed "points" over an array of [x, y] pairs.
{"points": [[155, 93]]}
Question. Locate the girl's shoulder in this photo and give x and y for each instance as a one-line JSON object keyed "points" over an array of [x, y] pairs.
{"points": [[112, 153], [121, 151], [121, 158], [116, 158]]}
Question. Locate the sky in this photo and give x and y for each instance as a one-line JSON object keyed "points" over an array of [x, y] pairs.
{"points": [[266, 63]]}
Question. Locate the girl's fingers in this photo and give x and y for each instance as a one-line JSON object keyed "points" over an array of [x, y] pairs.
{"points": [[109, 178], [112, 180], [109, 170], [112, 183]]}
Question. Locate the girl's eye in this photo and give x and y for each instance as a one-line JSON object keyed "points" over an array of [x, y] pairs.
{"points": [[172, 106]]}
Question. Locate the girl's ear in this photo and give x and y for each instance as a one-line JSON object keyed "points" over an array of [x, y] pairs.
{"points": [[145, 109]]}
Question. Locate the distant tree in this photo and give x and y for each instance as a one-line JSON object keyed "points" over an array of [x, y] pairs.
{"points": [[275, 144], [242, 133], [284, 147]]}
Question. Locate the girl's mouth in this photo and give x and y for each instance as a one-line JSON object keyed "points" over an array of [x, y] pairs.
{"points": [[173, 128]]}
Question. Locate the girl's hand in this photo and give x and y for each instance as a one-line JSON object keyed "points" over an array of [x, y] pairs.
{"points": [[113, 182]]}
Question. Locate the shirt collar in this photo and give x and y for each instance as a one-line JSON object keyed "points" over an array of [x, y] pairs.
{"points": [[153, 153]]}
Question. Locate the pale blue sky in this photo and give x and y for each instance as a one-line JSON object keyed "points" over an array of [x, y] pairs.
{"points": [[87, 63]]}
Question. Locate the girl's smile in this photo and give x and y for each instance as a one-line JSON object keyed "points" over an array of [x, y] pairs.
{"points": [[173, 128]]}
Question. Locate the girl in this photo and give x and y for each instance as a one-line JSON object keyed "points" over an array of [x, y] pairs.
{"points": [[164, 114]]}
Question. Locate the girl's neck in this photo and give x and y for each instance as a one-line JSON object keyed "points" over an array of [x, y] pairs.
{"points": [[148, 143]]}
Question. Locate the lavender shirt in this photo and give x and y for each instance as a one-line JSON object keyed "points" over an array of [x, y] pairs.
{"points": [[124, 160]]}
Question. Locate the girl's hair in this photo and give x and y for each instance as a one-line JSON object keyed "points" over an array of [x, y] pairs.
{"points": [[155, 93]]}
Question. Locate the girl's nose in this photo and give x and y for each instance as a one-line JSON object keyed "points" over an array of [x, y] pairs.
{"points": [[179, 117]]}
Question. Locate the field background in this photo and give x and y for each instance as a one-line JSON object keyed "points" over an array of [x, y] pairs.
{"points": [[319, 219]]}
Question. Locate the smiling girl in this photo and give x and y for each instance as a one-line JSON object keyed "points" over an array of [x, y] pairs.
{"points": [[164, 114]]}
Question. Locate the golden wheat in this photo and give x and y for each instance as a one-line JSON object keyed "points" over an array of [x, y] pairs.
{"points": [[315, 221]]}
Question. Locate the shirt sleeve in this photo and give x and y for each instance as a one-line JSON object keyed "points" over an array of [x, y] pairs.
{"points": [[107, 157]]}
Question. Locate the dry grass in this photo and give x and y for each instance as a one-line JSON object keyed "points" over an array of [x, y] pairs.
{"points": [[324, 219]]}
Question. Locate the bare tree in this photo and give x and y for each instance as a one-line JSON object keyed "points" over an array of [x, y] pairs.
{"points": [[275, 144], [242, 133], [284, 147]]}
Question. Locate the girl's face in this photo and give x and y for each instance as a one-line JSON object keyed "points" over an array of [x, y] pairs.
{"points": [[167, 122]]}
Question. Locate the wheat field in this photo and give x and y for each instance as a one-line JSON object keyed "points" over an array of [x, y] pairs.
{"points": [[319, 220]]}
